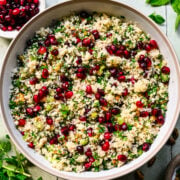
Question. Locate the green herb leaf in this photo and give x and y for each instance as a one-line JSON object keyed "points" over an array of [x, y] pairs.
{"points": [[177, 23], [157, 2], [157, 18], [176, 6]]}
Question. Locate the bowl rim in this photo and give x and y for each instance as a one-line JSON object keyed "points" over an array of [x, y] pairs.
{"points": [[117, 174]]}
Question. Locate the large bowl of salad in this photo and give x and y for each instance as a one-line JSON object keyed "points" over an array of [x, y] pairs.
{"points": [[89, 90]]}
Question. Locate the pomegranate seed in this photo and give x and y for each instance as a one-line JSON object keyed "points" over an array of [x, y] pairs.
{"points": [[33, 80], [113, 72], [59, 96], [121, 78], [117, 127], [139, 104], [140, 45], [115, 111], [80, 149], [45, 73], [141, 57], [160, 119], [97, 96], [47, 43], [49, 121], [132, 80], [165, 70], [113, 48], [42, 50], [15, 12], [147, 47], [54, 52], [63, 78], [87, 165], [82, 118], [36, 1], [125, 92], [91, 159], [36, 98], [124, 126], [80, 75], [153, 44], [21, 122], [68, 94], [126, 54], [108, 116], [22, 132], [108, 48], [3, 2], [103, 102], [89, 89], [31, 145], [4, 28], [110, 127], [154, 112], [7, 18], [29, 111], [107, 135], [72, 127], [105, 146], [144, 114], [88, 152], [79, 60], [108, 34], [119, 53], [86, 42], [122, 158], [145, 147], [59, 90], [90, 132], [54, 140], [65, 85], [101, 92], [78, 40], [65, 130], [101, 119], [148, 61], [36, 109], [96, 34]]}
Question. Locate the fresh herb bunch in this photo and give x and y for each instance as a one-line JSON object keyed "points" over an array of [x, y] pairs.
{"points": [[157, 18], [12, 167], [175, 5]]}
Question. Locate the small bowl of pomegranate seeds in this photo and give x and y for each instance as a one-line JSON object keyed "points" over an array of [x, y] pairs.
{"points": [[15, 13], [90, 94]]}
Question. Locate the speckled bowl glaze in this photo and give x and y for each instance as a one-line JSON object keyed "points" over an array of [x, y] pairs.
{"points": [[110, 7]]}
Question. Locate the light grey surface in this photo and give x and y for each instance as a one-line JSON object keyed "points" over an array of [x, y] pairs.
{"points": [[157, 171]]}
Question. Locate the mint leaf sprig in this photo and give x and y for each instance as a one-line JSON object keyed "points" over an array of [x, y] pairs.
{"points": [[157, 18]]}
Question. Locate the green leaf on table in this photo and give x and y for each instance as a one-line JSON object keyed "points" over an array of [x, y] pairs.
{"points": [[5, 146], [176, 6], [177, 23], [40, 178], [157, 18], [157, 2]]}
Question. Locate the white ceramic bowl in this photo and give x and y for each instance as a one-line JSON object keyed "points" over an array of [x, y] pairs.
{"points": [[13, 34], [114, 8]]}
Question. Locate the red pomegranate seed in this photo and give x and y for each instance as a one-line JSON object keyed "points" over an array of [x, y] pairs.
{"points": [[125, 92], [160, 119], [65, 130], [165, 70], [65, 85], [107, 135], [21, 122], [101, 119], [7, 18], [121, 78], [141, 57], [145, 147], [49, 120], [36, 98], [87, 165], [36, 1], [124, 126], [108, 34], [47, 42], [96, 34], [108, 116], [54, 140], [42, 50], [31, 145], [15, 11], [148, 61], [78, 40], [110, 127], [154, 112], [3, 2], [117, 127], [115, 111], [90, 132], [29, 111], [72, 127], [86, 42], [147, 47], [97, 96], [45, 90], [153, 44], [59, 90], [33, 80], [113, 48], [22, 132], [88, 152], [45, 73], [54, 52], [36, 109], [89, 89], [105, 146], [101, 92], [68, 94], [119, 53], [113, 72], [82, 118], [122, 158], [108, 48], [80, 75], [80, 149], [103, 102], [59, 96], [144, 114], [91, 159], [4, 28], [79, 60], [139, 104], [127, 54]]}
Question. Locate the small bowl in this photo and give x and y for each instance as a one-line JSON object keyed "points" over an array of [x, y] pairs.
{"points": [[13, 34], [44, 19]]}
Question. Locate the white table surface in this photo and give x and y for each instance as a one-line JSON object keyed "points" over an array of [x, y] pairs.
{"points": [[157, 171]]}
